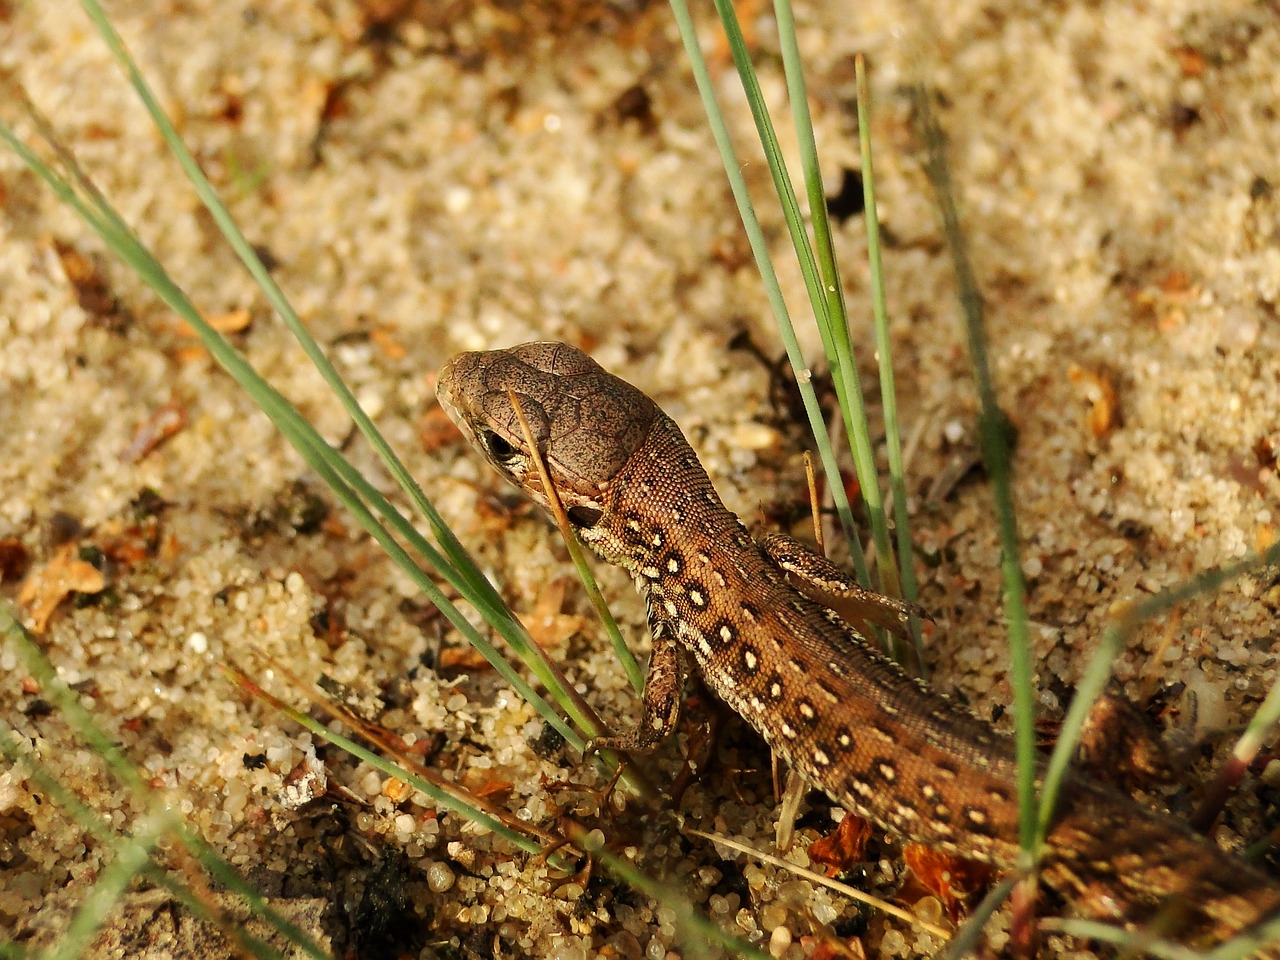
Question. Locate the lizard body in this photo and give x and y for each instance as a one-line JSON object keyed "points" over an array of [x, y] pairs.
{"points": [[879, 742]]}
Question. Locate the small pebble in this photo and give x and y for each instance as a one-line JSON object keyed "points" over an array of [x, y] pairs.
{"points": [[779, 940], [439, 877]]}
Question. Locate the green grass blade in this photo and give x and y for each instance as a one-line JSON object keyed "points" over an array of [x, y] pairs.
{"points": [[833, 327], [620, 650], [995, 432], [769, 278], [635, 676], [458, 556], [797, 93], [460, 570], [345, 481], [131, 856], [330, 465], [83, 725], [884, 351], [836, 333]]}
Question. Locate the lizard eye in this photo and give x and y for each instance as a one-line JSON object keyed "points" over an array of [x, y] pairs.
{"points": [[584, 517], [498, 448]]}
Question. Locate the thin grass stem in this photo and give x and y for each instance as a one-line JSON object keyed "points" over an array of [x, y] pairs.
{"points": [[884, 355], [769, 278], [620, 649], [460, 571], [130, 855], [83, 725], [995, 432]]}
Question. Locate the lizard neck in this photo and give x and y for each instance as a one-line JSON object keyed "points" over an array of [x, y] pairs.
{"points": [[663, 495]]}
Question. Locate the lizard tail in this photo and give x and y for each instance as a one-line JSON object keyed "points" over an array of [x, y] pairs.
{"points": [[1123, 869]]}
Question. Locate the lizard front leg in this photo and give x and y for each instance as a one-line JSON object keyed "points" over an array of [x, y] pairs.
{"points": [[830, 585], [663, 692]]}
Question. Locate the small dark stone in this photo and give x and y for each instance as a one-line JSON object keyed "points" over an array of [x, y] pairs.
{"points": [[63, 528], [36, 708], [1183, 117], [1132, 529], [634, 103], [147, 504], [548, 743], [385, 922]]}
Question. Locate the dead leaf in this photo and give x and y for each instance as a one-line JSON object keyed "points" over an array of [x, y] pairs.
{"points": [[547, 625], [50, 583], [232, 321], [455, 660], [1190, 61], [953, 880], [88, 277], [1100, 391], [130, 544], [155, 430], [487, 787], [845, 848]]}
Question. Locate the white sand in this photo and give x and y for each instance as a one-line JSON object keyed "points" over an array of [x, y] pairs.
{"points": [[474, 186]]}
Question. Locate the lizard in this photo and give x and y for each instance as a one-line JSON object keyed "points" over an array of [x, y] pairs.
{"points": [[748, 612]]}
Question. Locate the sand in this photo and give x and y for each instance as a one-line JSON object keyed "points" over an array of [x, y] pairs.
{"points": [[434, 177]]}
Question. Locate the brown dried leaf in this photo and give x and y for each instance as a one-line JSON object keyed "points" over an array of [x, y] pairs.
{"points": [[953, 880], [547, 625], [461, 660], [843, 849], [1190, 61], [88, 278], [157, 428], [50, 583], [128, 544], [233, 321], [1100, 391], [487, 787]]}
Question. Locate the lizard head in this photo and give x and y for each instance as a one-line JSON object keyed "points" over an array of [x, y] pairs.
{"points": [[586, 422]]}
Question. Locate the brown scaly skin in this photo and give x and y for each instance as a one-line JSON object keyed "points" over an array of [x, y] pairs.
{"points": [[879, 742]]}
